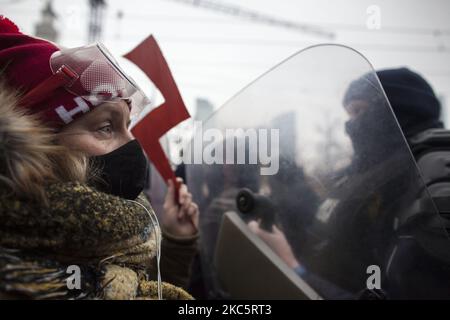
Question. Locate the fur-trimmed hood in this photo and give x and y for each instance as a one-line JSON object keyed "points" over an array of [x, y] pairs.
{"points": [[30, 158]]}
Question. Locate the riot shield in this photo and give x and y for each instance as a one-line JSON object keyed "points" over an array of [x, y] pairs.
{"points": [[312, 152]]}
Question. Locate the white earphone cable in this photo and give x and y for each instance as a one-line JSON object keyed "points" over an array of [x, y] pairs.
{"points": [[157, 229]]}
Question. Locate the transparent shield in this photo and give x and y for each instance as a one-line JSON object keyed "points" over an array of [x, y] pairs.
{"points": [[312, 152]]}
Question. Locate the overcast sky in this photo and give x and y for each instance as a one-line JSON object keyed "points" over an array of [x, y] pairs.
{"points": [[213, 55]]}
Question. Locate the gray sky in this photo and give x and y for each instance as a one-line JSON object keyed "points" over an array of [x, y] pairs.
{"points": [[213, 55]]}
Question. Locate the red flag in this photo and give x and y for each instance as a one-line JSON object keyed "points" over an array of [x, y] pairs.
{"points": [[148, 57]]}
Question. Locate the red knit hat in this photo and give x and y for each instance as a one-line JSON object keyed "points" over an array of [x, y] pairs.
{"points": [[25, 63]]}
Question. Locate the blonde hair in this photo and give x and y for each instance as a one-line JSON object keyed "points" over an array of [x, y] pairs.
{"points": [[30, 156]]}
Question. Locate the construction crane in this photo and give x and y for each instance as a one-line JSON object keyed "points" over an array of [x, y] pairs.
{"points": [[96, 19], [257, 17], [45, 27]]}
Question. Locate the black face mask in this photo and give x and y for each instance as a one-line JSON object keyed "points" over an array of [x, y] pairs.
{"points": [[363, 132], [373, 134], [123, 172]]}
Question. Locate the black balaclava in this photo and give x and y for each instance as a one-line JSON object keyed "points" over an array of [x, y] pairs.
{"points": [[412, 99], [123, 172], [374, 132]]}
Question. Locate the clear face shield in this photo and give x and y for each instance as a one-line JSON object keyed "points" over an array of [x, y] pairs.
{"points": [[92, 73], [341, 191]]}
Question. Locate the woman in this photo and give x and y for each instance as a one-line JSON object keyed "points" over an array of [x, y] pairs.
{"points": [[69, 231]]}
